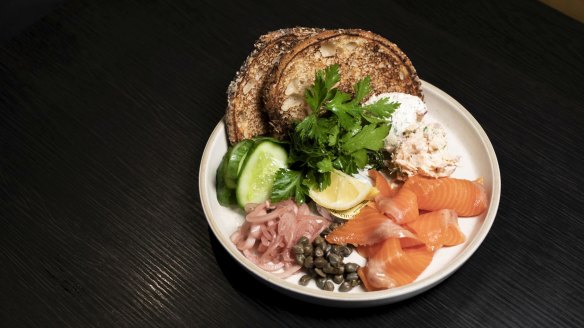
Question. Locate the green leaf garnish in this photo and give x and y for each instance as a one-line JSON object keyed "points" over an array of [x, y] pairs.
{"points": [[288, 184], [339, 133], [322, 87]]}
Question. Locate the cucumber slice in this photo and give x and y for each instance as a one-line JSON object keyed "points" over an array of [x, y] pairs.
{"points": [[225, 195], [259, 169], [236, 158]]}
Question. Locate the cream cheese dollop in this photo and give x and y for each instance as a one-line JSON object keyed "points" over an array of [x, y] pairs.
{"points": [[411, 110]]}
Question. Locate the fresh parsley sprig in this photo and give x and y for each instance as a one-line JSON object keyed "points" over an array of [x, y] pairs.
{"points": [[339, 133]]}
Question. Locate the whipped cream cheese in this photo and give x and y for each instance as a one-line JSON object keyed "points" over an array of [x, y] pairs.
{"points": [[411, 110]]}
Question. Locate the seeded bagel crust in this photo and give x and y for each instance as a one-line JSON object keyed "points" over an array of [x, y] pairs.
{"points": [[245, 117]]}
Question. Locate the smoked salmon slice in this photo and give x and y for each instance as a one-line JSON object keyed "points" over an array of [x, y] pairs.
{"points": [[403, 207], [467, 198], [381, 183], [368, 250], [410, 242], [368, 227], [391, 266], [437, 229]]}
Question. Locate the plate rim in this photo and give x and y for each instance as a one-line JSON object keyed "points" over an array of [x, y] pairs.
{"points": [[374, 297]]}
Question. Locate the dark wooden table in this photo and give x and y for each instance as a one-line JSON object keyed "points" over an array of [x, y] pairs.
{"points": [[106, 106]]}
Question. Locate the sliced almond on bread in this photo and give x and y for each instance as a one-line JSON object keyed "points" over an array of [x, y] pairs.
{"points": [[245, 117], [359, 53]]}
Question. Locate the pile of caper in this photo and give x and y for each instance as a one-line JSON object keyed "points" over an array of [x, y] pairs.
{"points": [[324, 263]]}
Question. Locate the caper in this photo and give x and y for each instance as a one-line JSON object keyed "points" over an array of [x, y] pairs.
{"points": [[334, 249], [297, 249], [328, 286], [351, 267], [311, 272], [318, 241], [304, 280], [308, 262], [326, 247], [352, 276], [319, 262], [345, 287], [299, 259], [345, 250], [320, 282], [319, 272], [324, 262], [334, 259], [318, 251], [328, 268]]}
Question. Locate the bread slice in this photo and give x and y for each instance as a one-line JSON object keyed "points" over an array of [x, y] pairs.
{"points": [[245, 117], [359, 53]]}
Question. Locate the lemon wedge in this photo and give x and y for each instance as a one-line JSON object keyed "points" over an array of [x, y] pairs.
{"points": [[343, 193]]}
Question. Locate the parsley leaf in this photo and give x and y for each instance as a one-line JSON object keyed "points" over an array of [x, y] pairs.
{"points": [[322, 87], [362, 89], [347, 113], [370, 137], [288, 184], [380, 111], [325, 165]]}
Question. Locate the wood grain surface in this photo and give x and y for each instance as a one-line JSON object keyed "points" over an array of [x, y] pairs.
{"points": [[105, 108]]}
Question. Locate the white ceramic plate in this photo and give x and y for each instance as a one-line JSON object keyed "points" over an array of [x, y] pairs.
{"points": [[466, 138]]}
